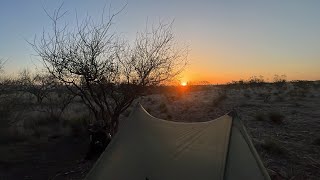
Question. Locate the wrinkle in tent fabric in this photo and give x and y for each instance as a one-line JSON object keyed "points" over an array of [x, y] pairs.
{"points": [[149, 148]]}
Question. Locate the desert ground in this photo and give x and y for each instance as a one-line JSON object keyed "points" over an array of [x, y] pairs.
{"points": [[282, 120]]}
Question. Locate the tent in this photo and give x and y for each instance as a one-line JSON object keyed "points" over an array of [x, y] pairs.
{"points": [[147, 148]]}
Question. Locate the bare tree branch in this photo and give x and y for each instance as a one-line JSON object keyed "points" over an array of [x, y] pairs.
{"points": [[106, 72]]}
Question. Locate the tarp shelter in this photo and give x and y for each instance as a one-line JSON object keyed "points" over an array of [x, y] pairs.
{"points": [[149, 148]]}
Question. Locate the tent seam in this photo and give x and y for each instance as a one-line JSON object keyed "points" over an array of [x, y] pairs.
{"points": [[252, 149], [224, 163]]}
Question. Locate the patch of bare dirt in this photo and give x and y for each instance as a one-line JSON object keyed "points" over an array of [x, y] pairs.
{"points": [[59, 158]]}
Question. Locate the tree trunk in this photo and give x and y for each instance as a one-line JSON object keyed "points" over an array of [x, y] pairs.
{"points": [[114, 124], [39, 99], [99, 140]]}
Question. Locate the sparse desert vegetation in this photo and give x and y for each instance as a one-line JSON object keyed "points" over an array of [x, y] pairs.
{"points": [[285, 133], [87, 72]]}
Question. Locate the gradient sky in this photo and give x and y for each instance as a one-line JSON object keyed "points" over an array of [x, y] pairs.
{"points": [[228, 40]]}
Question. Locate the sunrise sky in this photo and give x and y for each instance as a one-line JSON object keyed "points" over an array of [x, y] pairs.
{"points": [[228, 40]]}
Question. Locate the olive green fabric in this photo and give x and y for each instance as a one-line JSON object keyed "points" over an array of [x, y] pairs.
{"points": [[149, 148]]}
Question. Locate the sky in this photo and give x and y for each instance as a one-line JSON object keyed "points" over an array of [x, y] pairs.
{"points": [[228, 40]]}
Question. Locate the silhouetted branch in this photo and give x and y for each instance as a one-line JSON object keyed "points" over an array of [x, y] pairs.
{"points": [[108, 74]]}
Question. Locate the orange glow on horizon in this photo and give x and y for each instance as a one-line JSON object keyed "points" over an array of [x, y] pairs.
{"points": [[184, 83], [213, 69]]}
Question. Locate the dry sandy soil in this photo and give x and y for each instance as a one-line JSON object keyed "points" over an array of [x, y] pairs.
{"points": [[284, 123]]}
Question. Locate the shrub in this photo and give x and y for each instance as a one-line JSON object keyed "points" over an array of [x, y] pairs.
{"points": [[221, 97], [274, 147], [9, 135], [279, 80], [163, 108], [280, 98], [37, 119], [260, 116], [148, 110], [171, 98], [247, 95], [39, 131], [78, 125], [256, 81], [294, 111], [317, 141], [296, 104], [276, 117]]}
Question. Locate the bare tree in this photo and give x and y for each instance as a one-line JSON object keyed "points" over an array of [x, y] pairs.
{"points": [[56, 101], [2, 84], [9, 98], [2, 61], [279, 80], [5, 83], [52, 97], [38, 84], [108, 74], [1, 69]]}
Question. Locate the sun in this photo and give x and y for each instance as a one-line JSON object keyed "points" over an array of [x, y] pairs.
{"points": [[184, 83]]}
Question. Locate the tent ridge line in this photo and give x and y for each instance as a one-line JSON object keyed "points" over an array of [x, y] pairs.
{"points": [[175, 122], [250, 144], [227, 152]]}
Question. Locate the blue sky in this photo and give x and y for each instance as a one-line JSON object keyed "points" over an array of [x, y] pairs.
{"points": [[227, 39]]}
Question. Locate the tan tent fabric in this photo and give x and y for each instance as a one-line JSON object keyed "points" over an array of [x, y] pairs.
{"points": [[149, 148]]}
